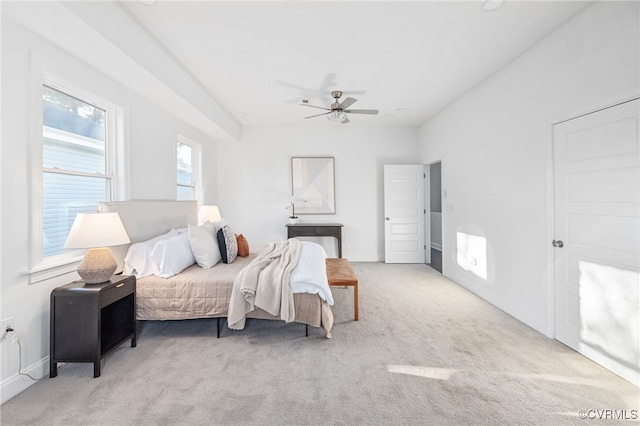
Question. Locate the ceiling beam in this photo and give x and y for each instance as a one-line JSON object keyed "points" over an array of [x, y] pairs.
{"points": [[105, 36]]}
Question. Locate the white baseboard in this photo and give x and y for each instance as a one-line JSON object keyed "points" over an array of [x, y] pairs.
{"points": [[17, 383]]}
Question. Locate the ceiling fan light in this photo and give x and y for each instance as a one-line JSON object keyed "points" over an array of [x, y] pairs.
{"points": [[337, 116]]}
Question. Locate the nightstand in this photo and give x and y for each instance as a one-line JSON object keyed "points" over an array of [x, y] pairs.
{"points": [[88, 321]]}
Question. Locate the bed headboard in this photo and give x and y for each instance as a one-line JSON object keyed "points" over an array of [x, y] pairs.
{"points": [[146, 219]]}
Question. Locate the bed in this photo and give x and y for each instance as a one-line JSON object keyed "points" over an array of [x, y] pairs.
{"points": [[195, 292]]}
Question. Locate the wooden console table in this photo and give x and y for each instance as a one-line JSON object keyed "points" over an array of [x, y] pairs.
{"points": [[317, 230]]}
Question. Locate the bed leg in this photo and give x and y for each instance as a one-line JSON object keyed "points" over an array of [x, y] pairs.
{"points": [[306, 330], [218, 327]]}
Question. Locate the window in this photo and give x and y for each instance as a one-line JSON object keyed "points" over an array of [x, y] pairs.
{"points": [[188, 157], [74, 167], [74, 164]]}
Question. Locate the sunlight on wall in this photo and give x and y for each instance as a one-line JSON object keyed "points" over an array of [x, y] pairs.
{"points": [[472, 254]]}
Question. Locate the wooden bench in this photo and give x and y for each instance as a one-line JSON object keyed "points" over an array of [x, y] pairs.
{"points": [[339, 273]]}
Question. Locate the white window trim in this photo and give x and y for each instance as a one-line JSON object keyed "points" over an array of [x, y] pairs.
{"points": [[41, 269], [196, 162]]}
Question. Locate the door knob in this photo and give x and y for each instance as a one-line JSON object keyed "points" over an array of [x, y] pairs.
{"points": [[386, 218], [557, 243]]}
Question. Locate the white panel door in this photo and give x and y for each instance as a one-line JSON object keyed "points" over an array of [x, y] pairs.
{"points": [[404, 214], [597, 217]]}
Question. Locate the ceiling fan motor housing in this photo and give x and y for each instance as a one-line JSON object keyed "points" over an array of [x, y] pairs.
{"points": [[336, 94]]}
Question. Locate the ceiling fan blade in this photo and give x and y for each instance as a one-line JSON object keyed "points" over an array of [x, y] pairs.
{"points": [[313, 106], [346, 120], [361, 111], [347, 103], [318, 115]]}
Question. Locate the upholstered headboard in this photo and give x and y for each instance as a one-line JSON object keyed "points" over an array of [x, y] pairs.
{"points": [[147, 219]]}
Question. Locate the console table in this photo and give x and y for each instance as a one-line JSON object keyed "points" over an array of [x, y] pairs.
{"points": [[317, 230]]}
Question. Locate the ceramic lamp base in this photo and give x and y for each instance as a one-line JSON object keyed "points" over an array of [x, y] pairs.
{"points": [[97, 266], [294, 220]]}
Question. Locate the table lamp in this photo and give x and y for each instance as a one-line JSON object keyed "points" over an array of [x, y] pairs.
{"points": [[96, 231], [209, 213]]}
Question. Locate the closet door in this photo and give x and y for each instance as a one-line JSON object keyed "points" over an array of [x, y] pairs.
{"points": [[597, 237]]}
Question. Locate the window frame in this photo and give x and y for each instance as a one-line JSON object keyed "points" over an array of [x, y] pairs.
{"points": [[196, 175], [45, 267]]}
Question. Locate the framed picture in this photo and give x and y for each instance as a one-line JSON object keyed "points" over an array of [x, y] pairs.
{"points": [[313, 185]]}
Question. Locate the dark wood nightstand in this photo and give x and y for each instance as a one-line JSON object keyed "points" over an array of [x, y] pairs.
{"points": [[88, 321]]}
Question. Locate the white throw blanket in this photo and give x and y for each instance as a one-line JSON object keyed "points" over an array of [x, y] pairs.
{"points": [[310, 274], [264, 284]]}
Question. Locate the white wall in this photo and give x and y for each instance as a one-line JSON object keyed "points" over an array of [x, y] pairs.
{"points": [[495, 145], [152, 152], [151, 140], [255, 181]]}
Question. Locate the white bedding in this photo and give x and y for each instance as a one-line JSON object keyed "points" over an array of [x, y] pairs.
{"points": [[310, 274], [198, 292]]}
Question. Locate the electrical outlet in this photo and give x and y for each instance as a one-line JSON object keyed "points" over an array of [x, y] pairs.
{"points": [[4, 324]]}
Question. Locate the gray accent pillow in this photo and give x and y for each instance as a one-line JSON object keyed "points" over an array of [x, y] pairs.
{"points": [[228, 244]]}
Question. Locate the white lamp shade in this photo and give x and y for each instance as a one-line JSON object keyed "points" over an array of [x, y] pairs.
{"points": [[209, 213], [96, 230]]}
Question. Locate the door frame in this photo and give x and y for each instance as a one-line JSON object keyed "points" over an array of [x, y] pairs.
{"points": [[427, 213], [549, 274], [427, 208]]}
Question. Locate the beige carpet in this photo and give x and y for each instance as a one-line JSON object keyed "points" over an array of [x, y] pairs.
{"points": [[425, 351]]}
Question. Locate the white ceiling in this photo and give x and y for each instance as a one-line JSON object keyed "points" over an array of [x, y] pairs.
{"points": [[219, 65], [259, 60]]}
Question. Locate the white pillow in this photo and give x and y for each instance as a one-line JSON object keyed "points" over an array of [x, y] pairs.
{"points": [[172, 256], [204, 245], [137, 262]]}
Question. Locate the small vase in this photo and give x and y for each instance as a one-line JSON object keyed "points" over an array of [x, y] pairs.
{"points": [[294, 220]]}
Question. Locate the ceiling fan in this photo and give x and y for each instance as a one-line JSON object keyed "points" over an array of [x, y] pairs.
{"points": [[338, 110]]}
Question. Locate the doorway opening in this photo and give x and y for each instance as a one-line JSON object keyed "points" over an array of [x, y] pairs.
{"points": [[433, 215]]}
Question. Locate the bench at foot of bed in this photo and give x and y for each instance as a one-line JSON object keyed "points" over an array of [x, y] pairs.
{"points": [[339, 273]]}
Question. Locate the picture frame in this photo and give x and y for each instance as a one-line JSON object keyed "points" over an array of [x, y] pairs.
{"points": [[313, 185]]}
